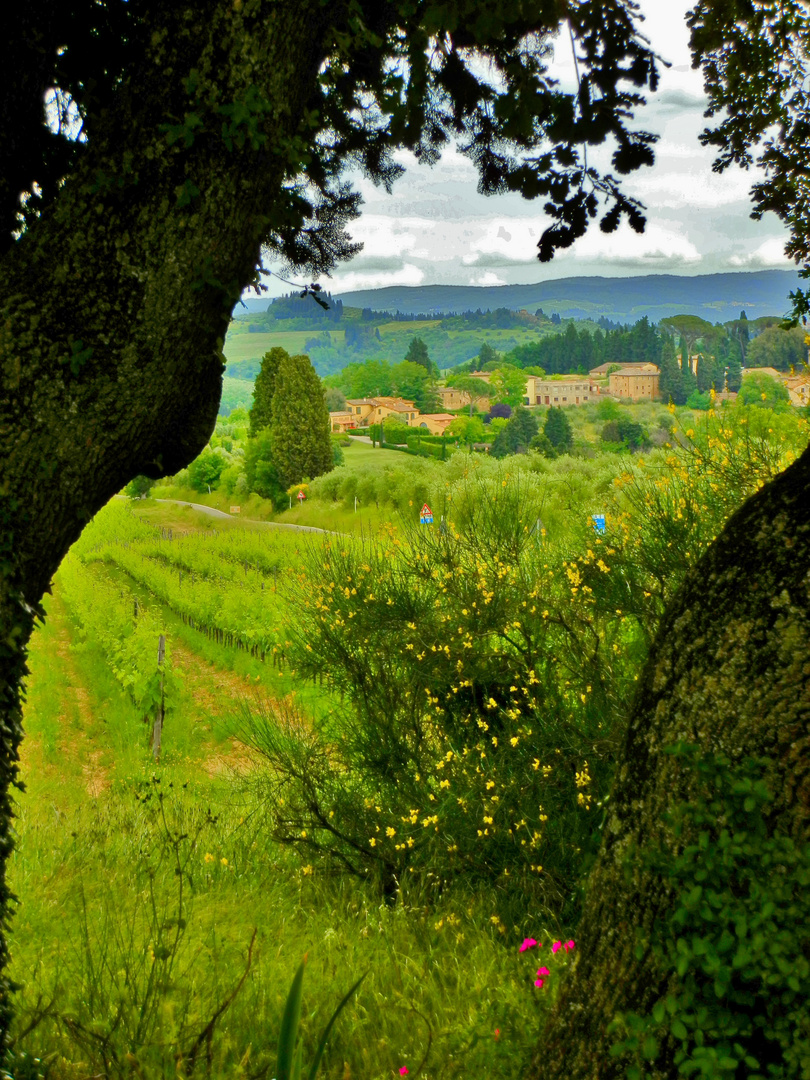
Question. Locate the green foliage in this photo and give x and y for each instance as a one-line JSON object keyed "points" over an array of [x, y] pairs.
{"points": [[474, 730], [626, 432], [577, 349], [558, 431], [763, 391], [778, 348], [300, 433], [700, 402], [128, 633], [516, 436], [669, 509], [733, 947], [418, 354], [761, 95], [468, 430], [260, 469], [261, 412], [139, 487], [204, 472], [671, 382], [487, 355], [290, 1060], [508, 385], [335, 399]]}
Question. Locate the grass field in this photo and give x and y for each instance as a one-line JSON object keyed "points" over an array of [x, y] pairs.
{"points": [[246, 346], [142, 886]]}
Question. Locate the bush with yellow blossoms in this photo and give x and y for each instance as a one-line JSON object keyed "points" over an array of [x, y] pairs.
{"points": [[476, 691]]}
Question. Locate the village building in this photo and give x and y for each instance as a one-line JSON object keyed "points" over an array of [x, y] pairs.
{"points": [[450, 397], [372, 410], [568, 390], [342, 421], [798, 387], [435, 423], [602, 370], [634, 385]]}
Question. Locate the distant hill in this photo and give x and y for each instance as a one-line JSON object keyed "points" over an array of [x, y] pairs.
{"points": [[716, 297]]}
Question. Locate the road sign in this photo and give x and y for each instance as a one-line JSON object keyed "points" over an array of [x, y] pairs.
{"points": [[301, 496], [426, 515], [598, 521], [236, 509]]}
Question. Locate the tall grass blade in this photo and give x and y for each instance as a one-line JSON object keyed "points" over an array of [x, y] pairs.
{"points": [[288, 1036], [322, 1044]]}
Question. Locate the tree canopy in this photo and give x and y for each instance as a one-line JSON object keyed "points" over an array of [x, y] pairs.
{"points": [[300, 431]]}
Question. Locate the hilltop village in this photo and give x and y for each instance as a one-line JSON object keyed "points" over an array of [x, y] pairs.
{"points": [[629, 382]]}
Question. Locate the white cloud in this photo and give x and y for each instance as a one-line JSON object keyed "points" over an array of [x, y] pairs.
{"points": [[487, 279], [352, 280], [769, 254]]}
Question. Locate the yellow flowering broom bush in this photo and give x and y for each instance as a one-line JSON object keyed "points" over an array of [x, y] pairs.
{"points": [[478, 689]]}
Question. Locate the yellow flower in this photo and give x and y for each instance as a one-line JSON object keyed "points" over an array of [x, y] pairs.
{"points": [[224, 861], [373, 842], [209, 857], [306, 870]]}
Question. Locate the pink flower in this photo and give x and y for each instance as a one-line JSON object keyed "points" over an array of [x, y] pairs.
{"points": [[527, 944], [543, 971], [568, 945], [497, 1034], [403, 1071], [555, 948], [538, 982]]}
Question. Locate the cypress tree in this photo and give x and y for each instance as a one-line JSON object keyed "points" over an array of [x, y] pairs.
{"points": [[261, 412], [516, 437], [671, 381], [558, 430], [734, 368], [299, 432], [418, 354], [688, 380]]}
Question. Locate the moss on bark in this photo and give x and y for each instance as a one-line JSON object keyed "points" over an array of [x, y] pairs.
{"points": [[730, 672]]}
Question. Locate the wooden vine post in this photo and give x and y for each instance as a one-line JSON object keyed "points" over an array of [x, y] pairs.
{"points": [[157, 730]]}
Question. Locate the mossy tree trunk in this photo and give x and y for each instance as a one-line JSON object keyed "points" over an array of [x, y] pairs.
{"points": [[116, 301], [730, 672]]}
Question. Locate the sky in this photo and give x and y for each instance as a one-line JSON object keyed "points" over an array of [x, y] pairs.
{"points": [[436, 229]]}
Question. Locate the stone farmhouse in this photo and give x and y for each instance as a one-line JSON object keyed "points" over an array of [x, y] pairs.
{"points": [[568, 390], [363, 412]]}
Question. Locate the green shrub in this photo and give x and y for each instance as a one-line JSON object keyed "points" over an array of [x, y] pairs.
{"points": [[479, 690]]}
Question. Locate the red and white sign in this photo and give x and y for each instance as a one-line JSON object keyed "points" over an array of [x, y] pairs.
{"points": [[426, 511], [301, 496]]}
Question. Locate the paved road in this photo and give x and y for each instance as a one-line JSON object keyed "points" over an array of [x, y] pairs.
{"points": [[213, 512]]}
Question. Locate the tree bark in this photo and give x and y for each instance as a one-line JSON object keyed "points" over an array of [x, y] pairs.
{"points": [[729, 671], [116, 301]]}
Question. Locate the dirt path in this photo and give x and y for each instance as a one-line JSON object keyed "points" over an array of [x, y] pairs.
{"points": [[218, 697], [75, 738], [213, 512]]}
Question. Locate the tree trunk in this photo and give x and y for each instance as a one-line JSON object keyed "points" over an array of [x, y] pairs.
{"points": [[116, 301], [729, 671]]}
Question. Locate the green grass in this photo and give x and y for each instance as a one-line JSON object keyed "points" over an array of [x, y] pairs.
{"points": [[113, 983], [247, 346]]}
